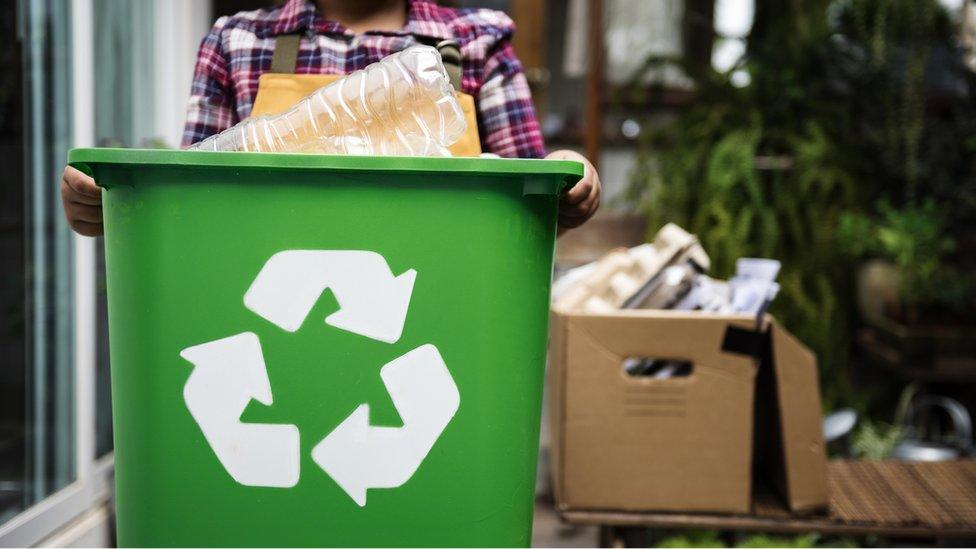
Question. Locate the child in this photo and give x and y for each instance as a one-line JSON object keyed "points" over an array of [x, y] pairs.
{"points": [[337, 37]]}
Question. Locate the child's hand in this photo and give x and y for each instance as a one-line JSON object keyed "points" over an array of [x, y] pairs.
{"points": [[82, 200], [583, 200]]}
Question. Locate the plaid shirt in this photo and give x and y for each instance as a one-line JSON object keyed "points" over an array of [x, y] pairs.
{"points": [[239, 48]]}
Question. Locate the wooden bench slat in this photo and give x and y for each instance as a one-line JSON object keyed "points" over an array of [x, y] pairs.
{"points": [[887, 498]]}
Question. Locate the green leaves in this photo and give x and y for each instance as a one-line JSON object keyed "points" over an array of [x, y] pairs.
{"points": [[793, 166], [875, 440], [914, 239]]}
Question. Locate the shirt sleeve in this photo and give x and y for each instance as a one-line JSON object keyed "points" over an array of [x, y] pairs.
{"points": [[505, 112], [211, 108]]}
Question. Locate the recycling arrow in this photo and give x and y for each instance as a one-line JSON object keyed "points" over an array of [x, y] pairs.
{"points": [[358, 455], [372, 302], [228, 373]]}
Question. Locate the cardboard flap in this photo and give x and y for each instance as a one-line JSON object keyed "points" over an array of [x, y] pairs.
{"points": [[798, 395], [694, 337]]}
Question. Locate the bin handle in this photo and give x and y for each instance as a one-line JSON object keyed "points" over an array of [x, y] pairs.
{"points": [[83, 167]]}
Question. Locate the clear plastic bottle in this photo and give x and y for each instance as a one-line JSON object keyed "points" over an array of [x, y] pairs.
{"points": [[402, 105]]}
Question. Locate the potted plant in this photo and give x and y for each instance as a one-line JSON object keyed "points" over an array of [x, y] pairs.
{"points": [[915, 300], [901, 76], [870, 113]]}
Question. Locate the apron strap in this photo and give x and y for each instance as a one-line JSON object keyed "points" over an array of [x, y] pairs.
{"points": [[285, 56], [450, 54]]}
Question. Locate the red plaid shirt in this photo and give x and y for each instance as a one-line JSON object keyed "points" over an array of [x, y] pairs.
{"points": [[239, 48]]}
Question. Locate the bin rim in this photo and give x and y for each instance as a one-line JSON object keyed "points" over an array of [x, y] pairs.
{"points": [[568, 171]]}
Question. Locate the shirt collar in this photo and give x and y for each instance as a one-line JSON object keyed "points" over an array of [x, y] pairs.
{"points": [[423, 19], [427, 19]]}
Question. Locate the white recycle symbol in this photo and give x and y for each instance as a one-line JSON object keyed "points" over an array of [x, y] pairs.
{"points": [[229, 372]]}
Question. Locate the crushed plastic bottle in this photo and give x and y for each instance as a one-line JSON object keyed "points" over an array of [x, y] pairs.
{"points": [[402, 105]]}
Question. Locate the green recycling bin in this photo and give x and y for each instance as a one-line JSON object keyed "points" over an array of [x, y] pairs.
{"points": [[326, 350]]}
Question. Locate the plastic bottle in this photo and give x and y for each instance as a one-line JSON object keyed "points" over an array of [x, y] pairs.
{"points": [[402, 105]]}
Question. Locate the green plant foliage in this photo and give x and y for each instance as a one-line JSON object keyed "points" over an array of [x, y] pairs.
{"points": [[875, 440], [693, 538], [915, 240], [912, 118], [711, 538], [838, 115], [908, 100], [760, 541], [715, 190]]}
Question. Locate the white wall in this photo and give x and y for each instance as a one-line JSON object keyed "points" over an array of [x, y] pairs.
{"points": [[179, 27]]}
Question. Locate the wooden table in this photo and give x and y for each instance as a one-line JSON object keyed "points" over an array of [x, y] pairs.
{"points": [[892, 499]]}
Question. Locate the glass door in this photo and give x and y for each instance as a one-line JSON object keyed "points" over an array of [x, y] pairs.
{"points": [[36, 365]]}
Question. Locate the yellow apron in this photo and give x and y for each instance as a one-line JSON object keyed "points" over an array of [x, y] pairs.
{"points": [[278, 91]]}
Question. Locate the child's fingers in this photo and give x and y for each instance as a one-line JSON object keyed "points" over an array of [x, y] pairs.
{"points": [[71, 196], [584, 209], [582, 188], [567, 222], [579, 203], [86, 213], [81, 183], [580, 192], [87, 229], [589, 194], [575, 215]]}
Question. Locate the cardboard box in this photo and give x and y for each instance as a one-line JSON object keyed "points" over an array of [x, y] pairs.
{"points": [[622, 442]]}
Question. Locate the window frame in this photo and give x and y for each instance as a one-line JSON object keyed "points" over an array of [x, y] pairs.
{"points": [[93, 485]]}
